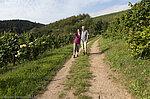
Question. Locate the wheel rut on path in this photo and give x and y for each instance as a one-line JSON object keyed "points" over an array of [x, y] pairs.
{"points": [[56, 85], [102, 85]]}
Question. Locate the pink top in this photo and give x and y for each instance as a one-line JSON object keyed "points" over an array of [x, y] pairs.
{"points": [[77, 39]]}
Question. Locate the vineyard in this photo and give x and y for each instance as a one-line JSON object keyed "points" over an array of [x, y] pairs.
{"points": [[28, 79], [19, 47], [30, 60], [127, 46], [133, 26], [16, 48]]}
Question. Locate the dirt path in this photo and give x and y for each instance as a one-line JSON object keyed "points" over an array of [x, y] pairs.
{"points": [[103, 86], [55, 86]]}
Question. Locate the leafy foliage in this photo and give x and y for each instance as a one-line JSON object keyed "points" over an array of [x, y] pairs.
{"points": [[8, 48], [28, 47], [135, 19], [139, 43]]}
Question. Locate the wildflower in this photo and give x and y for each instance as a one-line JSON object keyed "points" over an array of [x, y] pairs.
{"points": [[24, 45], [18, 54], [21, 46], [44, 42], [30, 43]]}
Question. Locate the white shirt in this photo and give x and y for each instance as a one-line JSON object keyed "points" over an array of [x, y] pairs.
{"points": [[84, 35]]}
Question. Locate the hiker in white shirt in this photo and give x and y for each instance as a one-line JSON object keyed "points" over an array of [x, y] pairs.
{"points": [[84, 40]]}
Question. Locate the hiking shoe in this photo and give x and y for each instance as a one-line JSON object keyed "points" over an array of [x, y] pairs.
{"points": [[83, 53], [74, 56], [86, 54]]}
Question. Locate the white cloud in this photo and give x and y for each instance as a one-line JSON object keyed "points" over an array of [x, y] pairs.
{"points": [[109, 10], [44, 11]]}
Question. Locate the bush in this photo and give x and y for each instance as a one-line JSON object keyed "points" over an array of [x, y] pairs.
{"points": [[135, 19], [139, 43]]}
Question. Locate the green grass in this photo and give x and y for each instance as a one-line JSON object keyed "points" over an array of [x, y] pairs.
{"points": [[31, 78], [79, 75], [135, 73], [62, 95], [109, 17]]}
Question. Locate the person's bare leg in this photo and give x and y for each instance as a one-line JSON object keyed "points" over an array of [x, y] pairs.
{"points": [[82, 44], [85, 47], [74, 50], [77, 49]]}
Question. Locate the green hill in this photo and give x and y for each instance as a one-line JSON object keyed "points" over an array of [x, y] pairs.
{"points": [[19, 26], [71, 24], [64, 26], [108, 17]]}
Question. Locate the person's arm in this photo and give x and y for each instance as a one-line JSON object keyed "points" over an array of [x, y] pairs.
{"points": [[72, 33], [87, 37]]}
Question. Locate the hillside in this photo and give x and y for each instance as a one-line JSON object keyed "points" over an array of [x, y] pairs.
{"points": [[19, 26], [71, 24], [108, 17], [64, 26], [61, 26]]}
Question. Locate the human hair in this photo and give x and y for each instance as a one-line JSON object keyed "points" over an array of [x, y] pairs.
{"points": [[83, 26]]}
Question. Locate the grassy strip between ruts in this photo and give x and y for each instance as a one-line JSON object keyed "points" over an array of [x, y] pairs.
{"points": [[79, 75], [30, 78], [135, 73]]}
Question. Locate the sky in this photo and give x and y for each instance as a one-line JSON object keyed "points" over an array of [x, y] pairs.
{"points": [[48, 11]]}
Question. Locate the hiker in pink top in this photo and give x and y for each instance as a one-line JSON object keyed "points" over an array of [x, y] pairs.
{"points": [[76, 43]]}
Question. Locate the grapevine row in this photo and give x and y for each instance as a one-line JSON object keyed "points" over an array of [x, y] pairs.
{"points": [[15, 48], [134, 27]]}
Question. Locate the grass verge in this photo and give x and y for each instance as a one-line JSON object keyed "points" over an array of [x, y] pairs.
{"points": [[29, 79], [79, 75], [135, 73]]}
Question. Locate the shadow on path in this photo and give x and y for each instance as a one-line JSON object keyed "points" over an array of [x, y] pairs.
{"points": [[99, 52], [96, 53]]}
